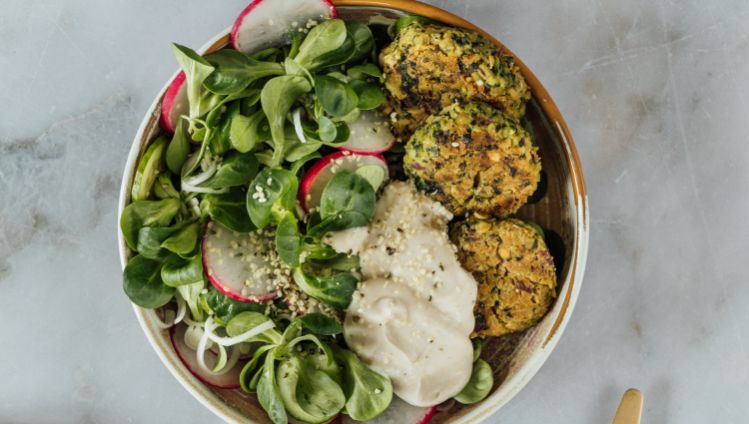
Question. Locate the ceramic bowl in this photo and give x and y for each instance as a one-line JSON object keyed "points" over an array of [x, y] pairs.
{"points": [[563, 210]]}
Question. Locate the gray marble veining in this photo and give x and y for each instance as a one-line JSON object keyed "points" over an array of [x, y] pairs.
{"points": [[655, 93]]}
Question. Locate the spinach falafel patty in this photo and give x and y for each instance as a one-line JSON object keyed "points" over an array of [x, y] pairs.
{"points": [[474, 158], [514, 269], [428, 67]]}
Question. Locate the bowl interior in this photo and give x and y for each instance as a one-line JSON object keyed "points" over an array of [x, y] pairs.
{"points": [[561, 211]]}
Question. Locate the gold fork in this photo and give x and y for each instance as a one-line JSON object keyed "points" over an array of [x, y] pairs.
{"points": [[630, 408]]}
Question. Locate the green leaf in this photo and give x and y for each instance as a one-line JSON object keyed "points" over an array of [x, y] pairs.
{"points": [[229, 209], [196, 69], [318, 323], [299, 163], [480, 384], [238, 169], [288, 240], [290, 334], [343, 132], [348, 192], [350, 118], [374, 174], [405, 21], [252, 385], [327, 129], [339, 222], [335, 290], [368, 393], [310, 395], [294, 68], [325, 362], [179, 149], [314, 248], [359, 43], [163, 187], [193, 161], [324, 38], [296, 42], [336, 98], [245, 131], [142, 283], [334, 260], [370, 96], [149, 167], [217, 127], [234, 71], [310, 338], [265, 158], [477, 346], [339, 76], [179, 272], [270, 195], [251, 368], [197, 127], [271, 54], [339, 56], [247, 104], [225, 308], [362, 72], [300, 151], [184, 241], [268, 393], [317, 250], [363, 39], [146, 213], [277, 97], [150, 240], [218, 124]]}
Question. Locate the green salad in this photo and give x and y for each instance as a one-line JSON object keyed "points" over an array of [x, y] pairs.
{"points": [[234, 165], [266, 152]]}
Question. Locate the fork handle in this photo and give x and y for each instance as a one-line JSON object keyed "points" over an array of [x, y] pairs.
{"points": [[630, 408]]}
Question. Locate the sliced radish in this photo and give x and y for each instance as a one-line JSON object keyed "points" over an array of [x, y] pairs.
{"points": [[265, 23], [228, 380], [174, 104], [240, 265], [399, 412], [369, 134], [427, 417], [322, 171]]}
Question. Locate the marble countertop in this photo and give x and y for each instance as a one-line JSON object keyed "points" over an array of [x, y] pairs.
{"points": [[655, 93]]}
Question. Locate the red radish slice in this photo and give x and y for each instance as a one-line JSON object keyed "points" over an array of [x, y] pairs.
{"points": [[174, 104], [266, 23], [322, 171], [428, 415], [399, 412], [228, 380], [240, 265], [369, 134]]}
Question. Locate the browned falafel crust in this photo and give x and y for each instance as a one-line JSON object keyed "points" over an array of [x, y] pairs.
{"points": [[428, 67], [514, 269], [474, 158]]}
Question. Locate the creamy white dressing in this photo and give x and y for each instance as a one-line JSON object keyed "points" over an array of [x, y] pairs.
{"points": [[412, 313]]}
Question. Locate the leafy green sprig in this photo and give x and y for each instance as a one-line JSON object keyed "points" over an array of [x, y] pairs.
{"points": [[299, 373]]}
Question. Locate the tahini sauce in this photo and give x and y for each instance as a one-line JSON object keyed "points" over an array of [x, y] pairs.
{"points": [[412, 313]]}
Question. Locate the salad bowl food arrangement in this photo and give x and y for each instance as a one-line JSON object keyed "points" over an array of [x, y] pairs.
{"points": [[358, 211]]}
